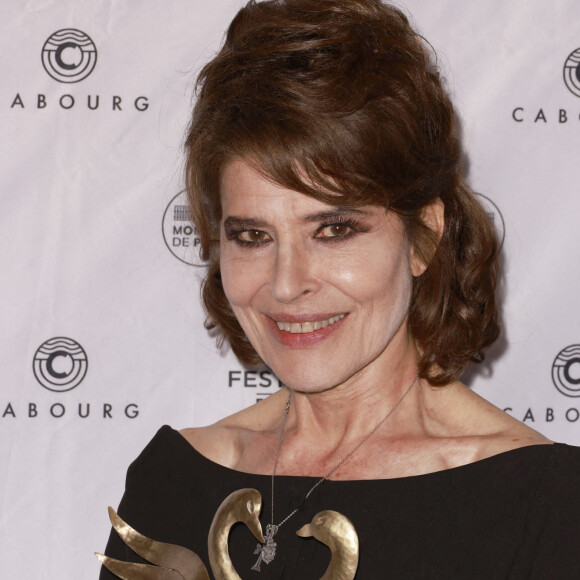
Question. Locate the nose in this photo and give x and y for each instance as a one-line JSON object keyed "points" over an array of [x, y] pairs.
{"points": [[292, 276]]}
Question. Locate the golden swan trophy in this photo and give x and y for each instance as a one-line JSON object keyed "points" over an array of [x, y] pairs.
{"points": [[172, 562], [337, 532]]}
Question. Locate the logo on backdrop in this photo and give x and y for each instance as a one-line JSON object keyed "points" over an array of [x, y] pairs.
{"points": [[60, 364], [69, 55], [551, 113], [179, 233], [261, 382], [566, 371], [495, 215], [572, 72], [566, 378]]}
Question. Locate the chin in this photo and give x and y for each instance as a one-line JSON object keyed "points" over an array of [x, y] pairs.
{"points": [[305, 378]]}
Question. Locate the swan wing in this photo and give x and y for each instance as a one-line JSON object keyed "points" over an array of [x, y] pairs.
{"points": [[171, 556], [134, 571]]}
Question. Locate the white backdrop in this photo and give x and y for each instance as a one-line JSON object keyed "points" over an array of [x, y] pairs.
{"points": [[93, 249]]}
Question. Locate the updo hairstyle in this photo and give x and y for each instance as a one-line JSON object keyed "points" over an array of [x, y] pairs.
{"points": [[341, 100]]}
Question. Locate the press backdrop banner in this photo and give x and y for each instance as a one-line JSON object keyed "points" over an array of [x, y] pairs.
{"points": [[103, 338]]}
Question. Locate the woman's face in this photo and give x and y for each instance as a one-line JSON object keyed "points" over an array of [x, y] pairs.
{"points": [[321, 291]]}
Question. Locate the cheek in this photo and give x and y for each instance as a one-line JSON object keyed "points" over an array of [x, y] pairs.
{"points": [[233, 279], [383, 291], [386, 306], [376, 277], [241, 279], [239, 290]]}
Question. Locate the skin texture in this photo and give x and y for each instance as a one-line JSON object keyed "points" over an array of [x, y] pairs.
{"points": [[289, 258], [307, 270]]}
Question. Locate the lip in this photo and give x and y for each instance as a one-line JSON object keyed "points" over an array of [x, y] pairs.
{"points": [[307, 339]]}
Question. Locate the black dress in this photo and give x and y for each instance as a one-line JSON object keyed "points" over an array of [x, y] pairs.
{"points": [[515, 515]]}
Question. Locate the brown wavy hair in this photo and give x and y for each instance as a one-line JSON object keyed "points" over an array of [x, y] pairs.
{"points": [[342, 101]]}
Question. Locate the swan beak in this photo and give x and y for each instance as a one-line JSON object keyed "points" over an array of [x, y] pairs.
{"points": [[252, 518], [256, 529], [305, 531]]}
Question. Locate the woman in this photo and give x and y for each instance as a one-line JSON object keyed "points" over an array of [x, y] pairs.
{"points": [[347, 254]]}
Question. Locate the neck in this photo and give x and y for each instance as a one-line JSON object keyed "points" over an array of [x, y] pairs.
{"points": [[348, 411]]}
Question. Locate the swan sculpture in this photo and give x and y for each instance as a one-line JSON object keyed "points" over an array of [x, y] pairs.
{"points": [[337, 532], [172, 562]]}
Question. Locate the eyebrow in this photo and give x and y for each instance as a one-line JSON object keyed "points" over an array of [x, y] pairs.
{"points": [[336, 213], [232, 222]]}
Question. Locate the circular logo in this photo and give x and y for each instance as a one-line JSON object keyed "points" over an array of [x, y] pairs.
{"points": [[60, 364], [179, 233], [495, 216], [572, 72], [566, 371], [69, 55]]}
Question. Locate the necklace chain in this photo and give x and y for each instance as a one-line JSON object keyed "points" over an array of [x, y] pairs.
{"points": [[267, 551], [339, 464]]}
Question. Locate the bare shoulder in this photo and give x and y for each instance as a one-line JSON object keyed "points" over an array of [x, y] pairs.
{"points": [[224, 442], [217, 443], [502, 431], [513, 435], [477, 429]]}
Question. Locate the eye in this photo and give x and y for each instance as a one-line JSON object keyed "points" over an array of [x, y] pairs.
{"points": [[253, 237], [338, 230]]}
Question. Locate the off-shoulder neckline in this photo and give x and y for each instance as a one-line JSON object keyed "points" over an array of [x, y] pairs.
{"points": [[460, 469]]}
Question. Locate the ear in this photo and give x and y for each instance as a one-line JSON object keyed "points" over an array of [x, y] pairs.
{"points": [[432, 216]]}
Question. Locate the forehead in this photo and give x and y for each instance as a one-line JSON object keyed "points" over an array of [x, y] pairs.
{"points": [[250, 199], [244, 189]]}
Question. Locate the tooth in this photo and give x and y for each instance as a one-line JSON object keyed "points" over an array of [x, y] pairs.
{"points": [[297, 328]]}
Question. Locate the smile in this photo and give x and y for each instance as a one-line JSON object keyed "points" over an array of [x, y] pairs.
{"points": [[304, 327]]}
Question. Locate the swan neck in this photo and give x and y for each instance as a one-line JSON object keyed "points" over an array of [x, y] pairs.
{"points": [[343, 561], [219, 555]]}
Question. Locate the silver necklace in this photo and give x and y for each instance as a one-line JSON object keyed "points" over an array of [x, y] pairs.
{"points": [[267, 551]]}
